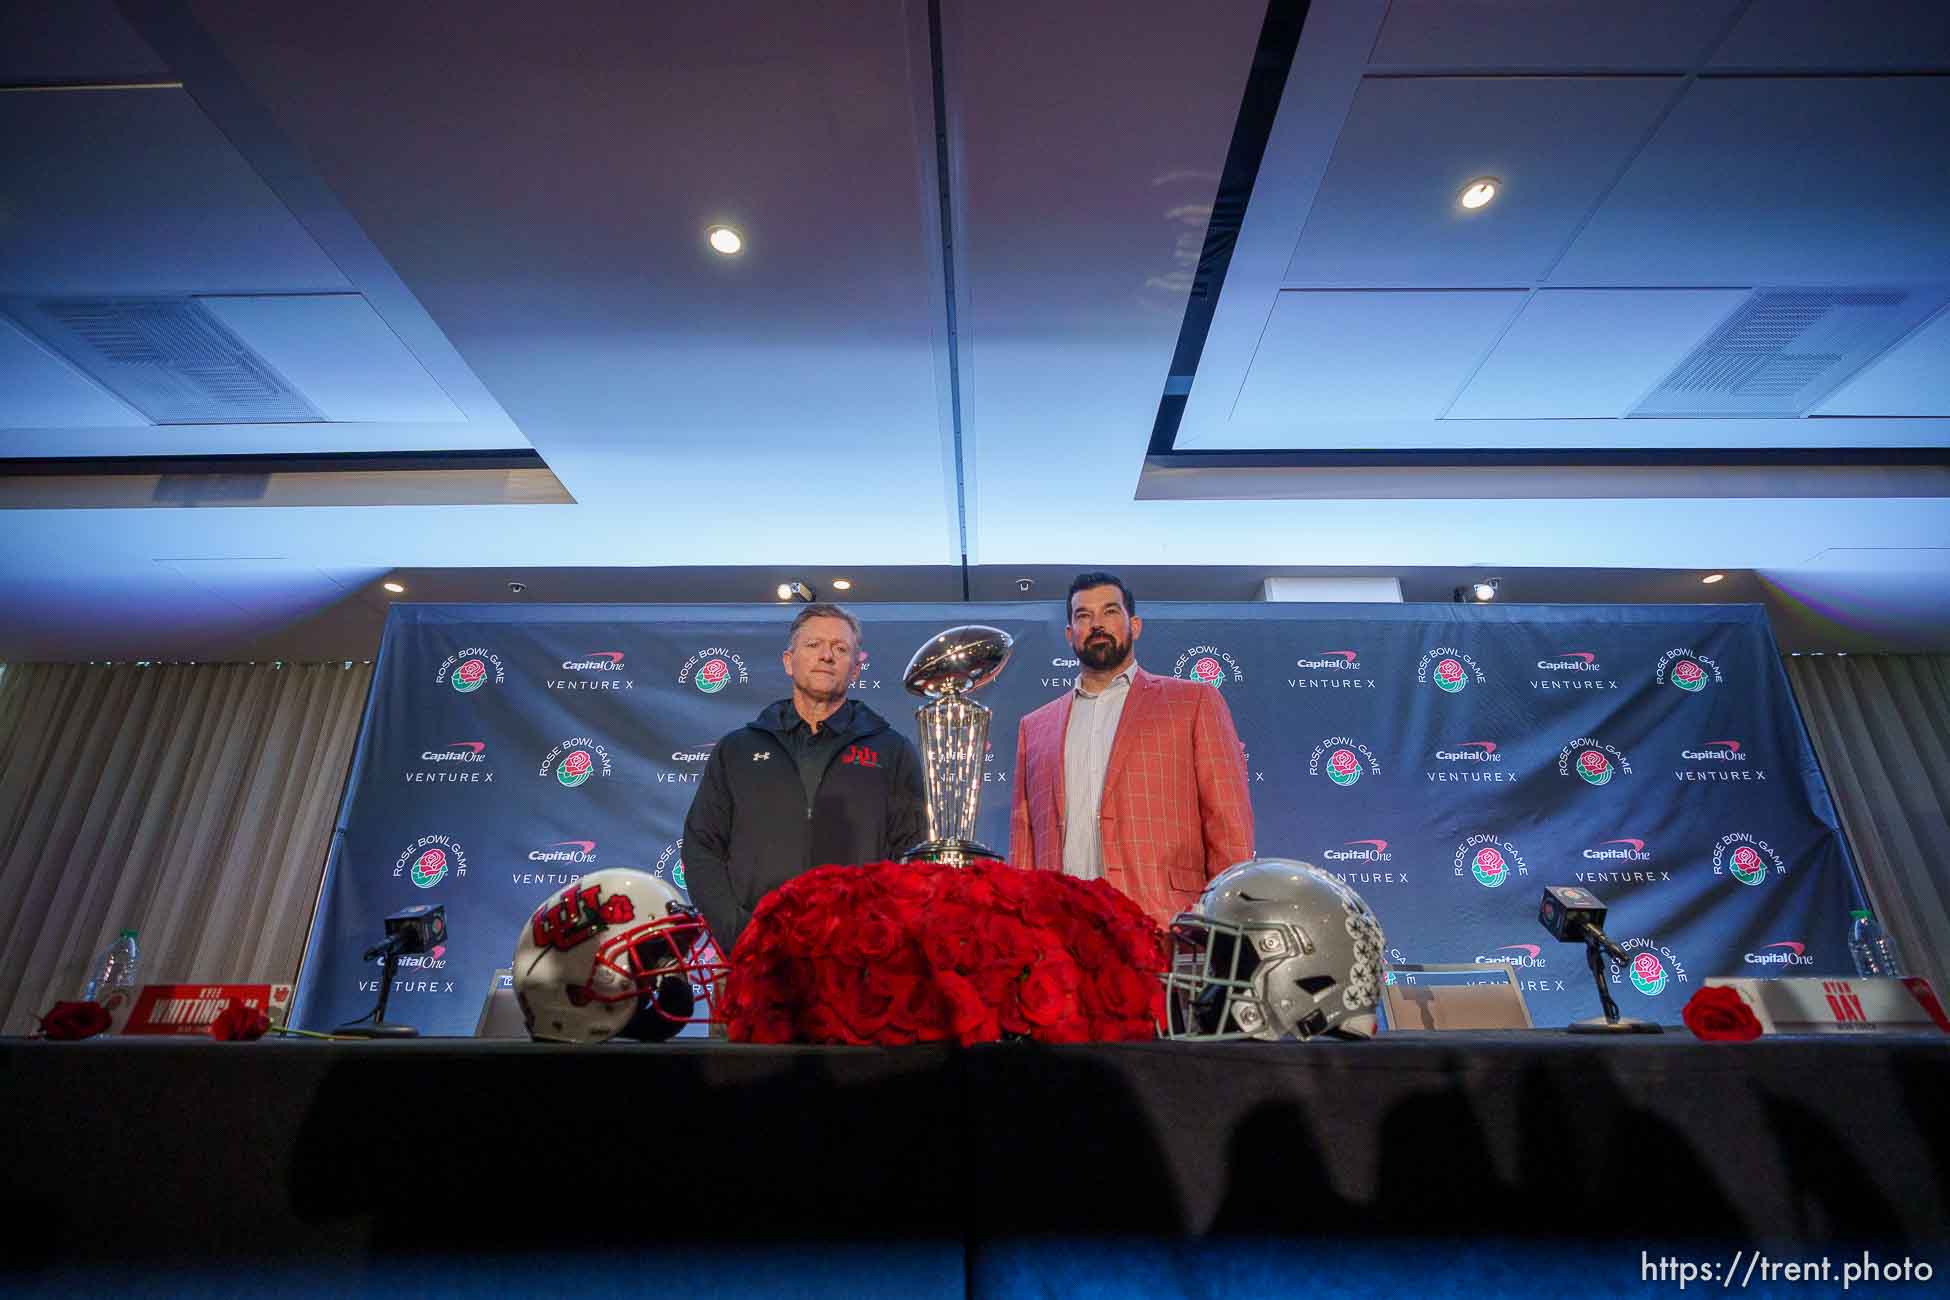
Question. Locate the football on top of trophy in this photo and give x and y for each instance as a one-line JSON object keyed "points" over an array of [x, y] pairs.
{"points": [[958, 661]]}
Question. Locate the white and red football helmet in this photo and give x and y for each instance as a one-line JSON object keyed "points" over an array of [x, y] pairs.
{"points": [[618, 952]]}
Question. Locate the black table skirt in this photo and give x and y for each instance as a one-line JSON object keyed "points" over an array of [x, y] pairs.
{"points": [[364, 1151]]}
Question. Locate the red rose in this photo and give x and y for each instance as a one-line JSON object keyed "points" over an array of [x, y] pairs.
{"points": [[1093, 948], [1011, 886], [1125, 993], [1044, 999], [949, 939], [1719, 1014], [237, 1023], [769, 1025], [73, 1020], [969, 1014]]}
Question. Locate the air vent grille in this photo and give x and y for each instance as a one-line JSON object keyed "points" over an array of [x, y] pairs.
{"points": [[1786, 349], [168, 358]]}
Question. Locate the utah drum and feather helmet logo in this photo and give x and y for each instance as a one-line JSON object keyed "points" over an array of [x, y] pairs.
{"points": [[429, 860], [712, 669], [1449, 668], [1208, 664], [1687, 669], [469, 670], [1342, 760], [1594, 762], [575, 761]]}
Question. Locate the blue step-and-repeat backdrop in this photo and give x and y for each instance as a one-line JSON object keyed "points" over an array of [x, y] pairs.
{"points": [[1447, 761]]}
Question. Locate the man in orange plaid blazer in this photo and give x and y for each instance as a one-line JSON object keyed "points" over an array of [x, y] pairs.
{"points": [[1129, 776]]}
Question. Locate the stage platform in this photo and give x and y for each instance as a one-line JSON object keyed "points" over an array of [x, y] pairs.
{"points": [[934, 1169]]}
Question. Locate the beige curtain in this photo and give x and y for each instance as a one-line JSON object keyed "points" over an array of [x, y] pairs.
{"points": [[1881, 727], [193, 803]]}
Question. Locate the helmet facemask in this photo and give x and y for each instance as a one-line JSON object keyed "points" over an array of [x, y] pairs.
{"points": [[1301, 960]]}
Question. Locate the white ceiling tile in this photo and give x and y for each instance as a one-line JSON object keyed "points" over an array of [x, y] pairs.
{"points": [[1330, 356], [1549, 33], [1855, 35], [1781, 181], [125, 192], [1590, 353], [334, 349], [1387, 213], [1912, 378], [40, 391]]}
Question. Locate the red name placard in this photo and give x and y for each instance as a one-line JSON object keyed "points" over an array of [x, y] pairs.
{"points": [[189, 1008]]}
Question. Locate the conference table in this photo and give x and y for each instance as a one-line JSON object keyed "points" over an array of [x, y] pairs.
{"points": [[1009, 1168]]}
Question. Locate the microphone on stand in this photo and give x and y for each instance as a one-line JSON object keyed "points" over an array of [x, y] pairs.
{"points": [[1575, 915]]}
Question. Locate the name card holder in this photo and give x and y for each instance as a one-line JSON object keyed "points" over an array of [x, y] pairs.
{"points": [[160, 1009], [1813, 1005], [1453, 996]]}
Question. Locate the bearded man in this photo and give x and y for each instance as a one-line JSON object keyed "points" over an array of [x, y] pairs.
{"points": [[1132, 777]]}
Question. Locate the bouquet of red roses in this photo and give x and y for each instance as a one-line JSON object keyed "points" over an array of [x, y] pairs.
{"points": [[914, 953]]}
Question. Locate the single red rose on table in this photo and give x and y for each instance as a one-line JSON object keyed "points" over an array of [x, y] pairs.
{"points": [[1720, 1015], [237, 1023], [71, 1021]]}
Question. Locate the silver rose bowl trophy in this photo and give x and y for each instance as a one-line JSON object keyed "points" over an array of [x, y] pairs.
{"points": [[954, 737]]}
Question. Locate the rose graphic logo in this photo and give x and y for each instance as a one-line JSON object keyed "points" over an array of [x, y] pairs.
{"points": [[677, 876], [469, 676], [575, 768], [1648, 975], [1488, 867], [1211, 672], [430, 868], [712, 676], [1343, 767], [1449, 675], [1594, 767], [1747, 866], [1688, 676]]}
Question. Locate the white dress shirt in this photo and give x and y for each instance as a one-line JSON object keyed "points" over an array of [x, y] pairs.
{"points": [[1086, 755]]}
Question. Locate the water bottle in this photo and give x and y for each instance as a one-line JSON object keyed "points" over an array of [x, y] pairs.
{"points": [[1872, 948], [114, 973]]}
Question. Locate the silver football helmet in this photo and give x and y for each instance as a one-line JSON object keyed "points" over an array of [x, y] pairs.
{"points": [[1274, 949]]}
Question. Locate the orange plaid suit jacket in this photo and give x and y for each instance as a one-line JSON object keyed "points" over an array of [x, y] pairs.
{"points": [[1175, 810]]}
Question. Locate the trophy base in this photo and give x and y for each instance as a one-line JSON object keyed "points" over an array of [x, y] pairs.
{"points": [[951, 852]]}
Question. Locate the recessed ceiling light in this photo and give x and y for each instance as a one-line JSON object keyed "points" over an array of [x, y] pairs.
{"points": [[1479, 192], [842, 584], [393, 587], [725, 240], [1712, 578]]}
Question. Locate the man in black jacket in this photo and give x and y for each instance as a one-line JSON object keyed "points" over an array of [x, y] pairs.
{"points": [[815, 779]]}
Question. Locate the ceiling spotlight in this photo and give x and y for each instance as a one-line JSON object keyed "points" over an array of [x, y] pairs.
{"points": [[1485, 589], [393, 587], [725, 240], [795, 591], [1713, 578], [1478, 192], [842, 584]]}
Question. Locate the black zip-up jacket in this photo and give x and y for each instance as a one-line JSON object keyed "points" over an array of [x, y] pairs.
{"points": [[752, 827]]}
